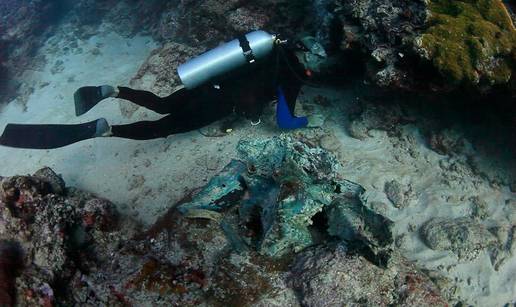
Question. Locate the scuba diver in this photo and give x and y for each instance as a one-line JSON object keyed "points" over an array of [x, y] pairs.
{"points": [[239, 77]]}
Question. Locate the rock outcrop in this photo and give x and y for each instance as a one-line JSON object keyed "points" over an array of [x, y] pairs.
{"points": [[431, 45], [24, 26], [269, 230]]}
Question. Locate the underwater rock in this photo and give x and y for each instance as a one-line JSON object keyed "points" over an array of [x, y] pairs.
{"points": [[101, 214], [430, 45], [507, 247], [250, 280], [57, 183], [55, 233], [462, 236], [383, 30], [330, 276], [397, 194], [24, 27], [469, 42], [414, 287], [244, 19], [446, 142]]}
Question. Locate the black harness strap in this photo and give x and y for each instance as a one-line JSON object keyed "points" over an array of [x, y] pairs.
{"points": [[248, 52]]}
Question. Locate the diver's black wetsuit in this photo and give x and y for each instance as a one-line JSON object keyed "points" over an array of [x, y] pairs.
{"points": [[245, 93]]}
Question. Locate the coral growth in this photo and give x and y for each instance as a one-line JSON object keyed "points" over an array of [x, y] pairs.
{"points": [[436, 45], [468, 41]]}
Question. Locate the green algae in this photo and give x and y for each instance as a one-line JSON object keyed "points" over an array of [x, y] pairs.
{"points": [[470, 40]]}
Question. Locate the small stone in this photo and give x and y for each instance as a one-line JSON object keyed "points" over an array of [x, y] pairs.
{"points": [[462, 236], [136, 181], [394, 192], [478, 208], [57, 183], [212, 163], [507, 247], [358, 130], [330, 142], [378, 207]]}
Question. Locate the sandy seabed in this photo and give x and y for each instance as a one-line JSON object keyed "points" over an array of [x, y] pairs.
{"points": [[145, 178]]}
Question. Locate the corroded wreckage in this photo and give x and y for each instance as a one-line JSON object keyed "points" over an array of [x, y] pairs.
{"points": [[239, 240]]}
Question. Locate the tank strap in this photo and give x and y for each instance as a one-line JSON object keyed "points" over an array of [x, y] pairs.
{"points": [[248, 52]]}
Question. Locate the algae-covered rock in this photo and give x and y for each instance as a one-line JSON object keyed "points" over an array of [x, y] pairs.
{"points": [[434, 45], [463, 236], [395, 194], [468, 41]]}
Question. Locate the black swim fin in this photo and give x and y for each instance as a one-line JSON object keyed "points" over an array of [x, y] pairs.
{"points": [[48, 136], [86, 98]]}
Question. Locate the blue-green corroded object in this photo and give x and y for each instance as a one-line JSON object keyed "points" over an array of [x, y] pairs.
{"points": [[297, 182], [214, 196], [349, 219], [286, 157], [281, 187]]}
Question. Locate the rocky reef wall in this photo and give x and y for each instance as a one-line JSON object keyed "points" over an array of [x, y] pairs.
{"points": [[24, 26], [423, 46], [432, 46]]}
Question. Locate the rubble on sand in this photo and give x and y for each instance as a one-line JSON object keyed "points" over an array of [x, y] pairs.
{"points": [[257, 233]]}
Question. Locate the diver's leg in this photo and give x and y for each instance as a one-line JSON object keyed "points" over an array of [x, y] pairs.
{"points": [[147, 130], [161, 105], [195, 115]]}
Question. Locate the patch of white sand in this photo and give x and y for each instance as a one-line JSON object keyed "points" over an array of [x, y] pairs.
{"points": [[147, 177], [374, 161]]}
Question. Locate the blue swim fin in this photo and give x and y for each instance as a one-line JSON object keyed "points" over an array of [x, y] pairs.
{"points": [[284, 118]]}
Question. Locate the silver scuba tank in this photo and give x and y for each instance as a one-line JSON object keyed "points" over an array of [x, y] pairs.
{"points": [[214, 63]]}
